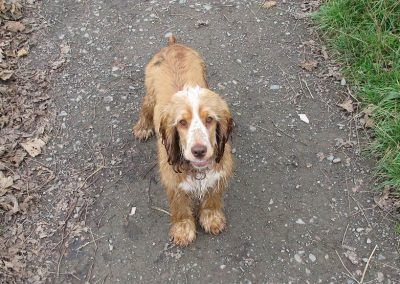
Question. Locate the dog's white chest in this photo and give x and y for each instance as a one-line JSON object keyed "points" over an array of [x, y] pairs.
{"points": [[201, 184]]}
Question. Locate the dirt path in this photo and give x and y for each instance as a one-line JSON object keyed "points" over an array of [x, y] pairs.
{"points": [[291, 214]]}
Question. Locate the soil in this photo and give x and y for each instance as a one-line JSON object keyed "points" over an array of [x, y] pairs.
{"points": [[296, 213]]}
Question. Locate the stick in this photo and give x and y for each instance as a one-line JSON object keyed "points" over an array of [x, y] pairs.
{"points": [[283, 132], [348, 271], [88, 243], [366, 266], [305, 82], [160, 209], [262, 128], [344, 235]]}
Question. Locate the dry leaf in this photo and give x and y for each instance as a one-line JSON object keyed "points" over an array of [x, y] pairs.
{"points": [[5, 182], [269, 4], [6, 74], [14, 26], [22, 52], [309, 65], [347, 105], [33, 146], [17, 157], [304, 118]]}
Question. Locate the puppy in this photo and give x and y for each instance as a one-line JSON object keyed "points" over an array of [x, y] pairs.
{"points": [[192, 125]]}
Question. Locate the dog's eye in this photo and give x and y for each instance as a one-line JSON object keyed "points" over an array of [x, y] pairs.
{"points": [[209, 119], [183, 123]]}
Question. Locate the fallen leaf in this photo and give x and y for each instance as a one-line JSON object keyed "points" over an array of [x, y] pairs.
{"points": [[22, 52], [5, 203], [5, 182], [14, 26], [17, 157], [33, 146], [6, 74], [347, 105], [309, 65], [304, 118], [269, 4]]}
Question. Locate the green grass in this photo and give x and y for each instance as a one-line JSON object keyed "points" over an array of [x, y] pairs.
{"points": [[364, 36]]}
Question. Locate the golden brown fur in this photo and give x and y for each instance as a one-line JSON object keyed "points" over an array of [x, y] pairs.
{"points": [[177, 98]]}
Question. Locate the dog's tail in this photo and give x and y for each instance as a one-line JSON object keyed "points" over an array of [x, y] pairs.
{"points": [[171, 40]]}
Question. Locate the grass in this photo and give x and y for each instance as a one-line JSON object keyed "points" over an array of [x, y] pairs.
{"points": [[364, 36]]}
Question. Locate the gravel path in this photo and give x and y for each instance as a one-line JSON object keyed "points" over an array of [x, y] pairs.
{"points": [[300, 207]]}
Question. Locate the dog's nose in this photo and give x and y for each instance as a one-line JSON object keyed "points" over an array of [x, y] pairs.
{"points": [[199, 151]]}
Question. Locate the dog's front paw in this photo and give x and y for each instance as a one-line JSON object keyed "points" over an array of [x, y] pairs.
{"points": [[183, 232], [141, 132], [212, 221]]}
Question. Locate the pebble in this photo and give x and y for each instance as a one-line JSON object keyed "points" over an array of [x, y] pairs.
{"points": [[252, 128], [297, 258], [330, 158], [275, 87], [380, 277], [312, 257], [381, 257], [369, 241], [359, 230], [108, 99], [233, 150], [300, 221], [343, 82], [63, 113], [336, 160]]}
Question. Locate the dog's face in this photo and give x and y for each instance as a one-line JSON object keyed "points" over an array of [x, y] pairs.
{"points": [[194, 128]]}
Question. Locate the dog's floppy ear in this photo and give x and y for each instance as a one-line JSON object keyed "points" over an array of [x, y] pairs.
{"points": [[170, 139], [223, 132]]}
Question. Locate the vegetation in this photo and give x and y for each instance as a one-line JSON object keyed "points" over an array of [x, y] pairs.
{"points": [[365, 38]]}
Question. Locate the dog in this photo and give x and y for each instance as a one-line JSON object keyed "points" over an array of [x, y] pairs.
{"points": [[193, 125]]}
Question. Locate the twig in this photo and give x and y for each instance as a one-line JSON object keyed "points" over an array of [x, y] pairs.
{"points": [[283, 132], [362, 210], [344, 235], [348, 271], [67, 273], [305, 82], [366, 266], [160, 209], [262, 128], [90, 242]]}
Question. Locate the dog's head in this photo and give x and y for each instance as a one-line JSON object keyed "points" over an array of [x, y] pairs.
{"points": [[195, 127]]}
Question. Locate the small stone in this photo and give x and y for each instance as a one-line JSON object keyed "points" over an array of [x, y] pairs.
{"points": [[308, 165], [182, 1], [233, 150], [381, 257], [380, 277], [312, 257], [359, 230], [336, 160], [343, 82], [252, 128], [207, 7], [297, 258], [108, 99], [222, 266], [330, 158], [275, 87], [167, 35], [300, 222], [369, 241], [308, 272], [63, 113], [271, 202]]}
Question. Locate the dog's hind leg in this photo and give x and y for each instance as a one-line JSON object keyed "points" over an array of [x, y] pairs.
{"points": [[143, 129]]}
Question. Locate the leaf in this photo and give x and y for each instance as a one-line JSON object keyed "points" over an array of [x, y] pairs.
{"points": [[22, 52], [304, 118], [33, 146], [17, 157], [347, 105], [269, 4], [6, 74], [5, 182], [14, 26], [309, 65]]}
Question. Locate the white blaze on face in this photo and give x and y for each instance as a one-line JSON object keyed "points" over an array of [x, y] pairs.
{"points": [[197, 132]]}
